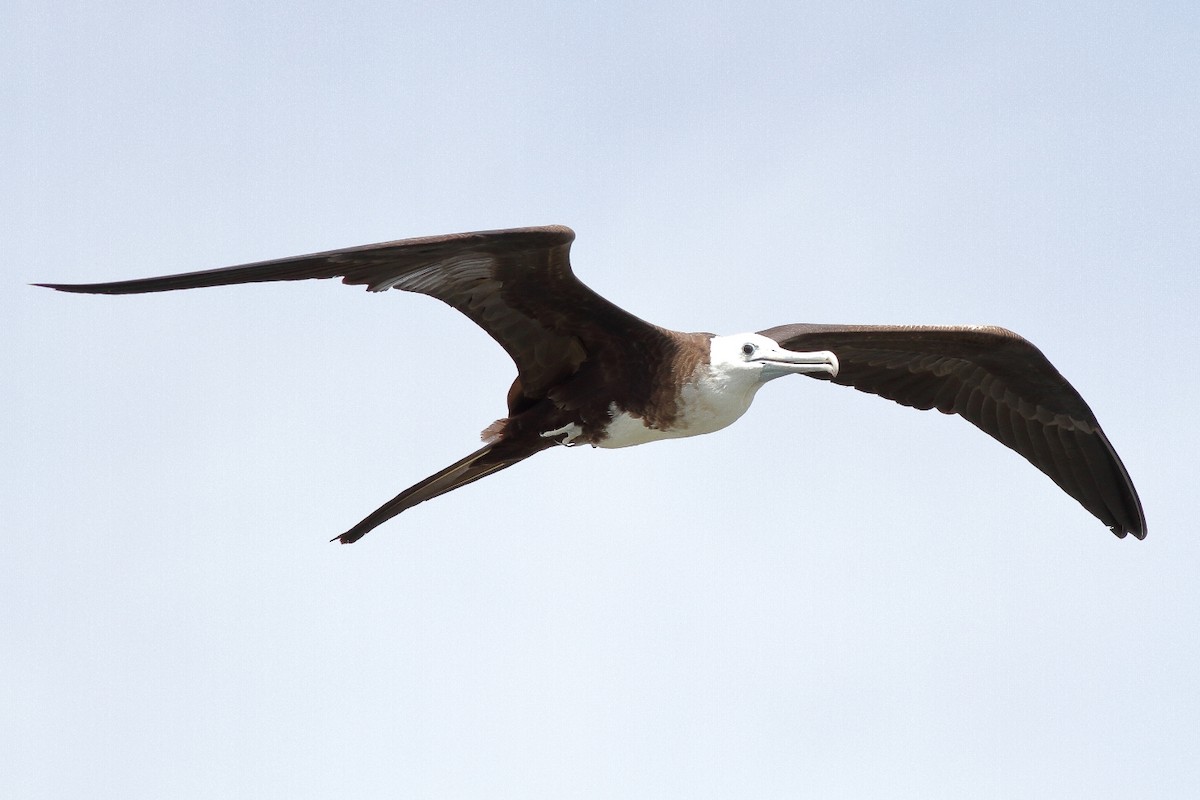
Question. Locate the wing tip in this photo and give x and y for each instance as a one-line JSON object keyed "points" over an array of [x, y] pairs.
{"points": [[1138, 530], [115, 287]]}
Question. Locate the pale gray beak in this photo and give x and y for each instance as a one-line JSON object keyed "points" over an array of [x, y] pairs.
{"points": [[778, 362]]}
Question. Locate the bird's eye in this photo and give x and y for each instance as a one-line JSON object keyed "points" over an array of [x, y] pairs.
{"points": [[748, 349]]}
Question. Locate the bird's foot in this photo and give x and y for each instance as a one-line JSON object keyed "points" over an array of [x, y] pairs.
{"points": [[570, 432]]}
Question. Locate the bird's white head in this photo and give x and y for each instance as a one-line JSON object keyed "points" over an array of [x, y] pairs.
{"points": [[759, 358]]}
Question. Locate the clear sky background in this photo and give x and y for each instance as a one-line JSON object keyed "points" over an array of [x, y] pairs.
{"points": [[836, 597]]}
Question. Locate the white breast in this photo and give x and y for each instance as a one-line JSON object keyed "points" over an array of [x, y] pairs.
{"points": [[711, 401]]}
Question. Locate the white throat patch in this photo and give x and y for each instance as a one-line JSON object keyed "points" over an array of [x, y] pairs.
{"points": [[713, 398]]}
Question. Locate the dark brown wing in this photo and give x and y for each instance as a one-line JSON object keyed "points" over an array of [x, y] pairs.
{"points": [[515, 284], [1000, 383]]}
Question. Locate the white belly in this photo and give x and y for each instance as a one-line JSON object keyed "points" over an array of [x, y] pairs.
{"points": [[704, 406]]}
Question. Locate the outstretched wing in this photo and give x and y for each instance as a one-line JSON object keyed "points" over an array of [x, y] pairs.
{"points": [[997, 381], [515, 284]]}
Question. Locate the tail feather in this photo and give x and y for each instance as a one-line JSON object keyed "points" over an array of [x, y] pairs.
{"points": [[480, 464]]}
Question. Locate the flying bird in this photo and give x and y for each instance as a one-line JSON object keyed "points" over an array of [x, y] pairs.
{"points": [[589, 372]]}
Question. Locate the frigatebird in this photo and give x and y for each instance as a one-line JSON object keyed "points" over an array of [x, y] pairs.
{"points": [[589, 372]]}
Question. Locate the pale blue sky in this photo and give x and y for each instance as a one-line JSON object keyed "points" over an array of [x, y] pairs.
{"points": [[837, 597]]}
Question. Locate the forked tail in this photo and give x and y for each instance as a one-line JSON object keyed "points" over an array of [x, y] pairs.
{"points": [[480, 464]]}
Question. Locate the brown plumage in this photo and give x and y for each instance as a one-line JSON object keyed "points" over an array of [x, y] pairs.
{"points": [[998, 382], [586, 367]]}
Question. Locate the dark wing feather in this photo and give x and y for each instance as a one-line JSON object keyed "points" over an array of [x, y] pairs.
{"points": [[515, 284], [1000, 383]]}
